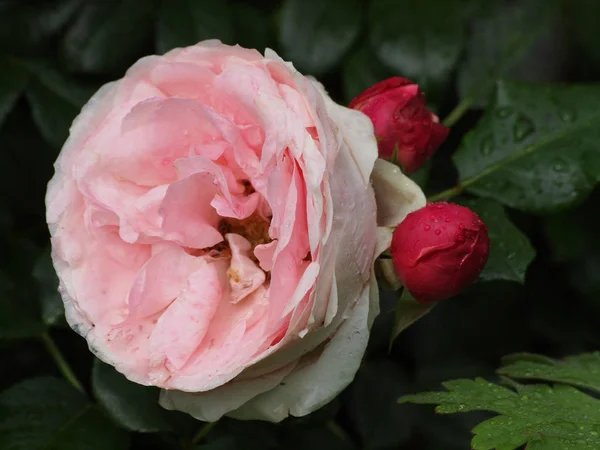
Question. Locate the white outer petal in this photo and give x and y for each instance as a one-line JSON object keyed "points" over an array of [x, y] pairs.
{"points": [[396, 194], [319, 377], [210, 406]]}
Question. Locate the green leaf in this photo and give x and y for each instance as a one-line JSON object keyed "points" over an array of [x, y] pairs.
{"points": [[582, 370], [55, 101], [361, 71], [543, 417], [422, 175], [583, 16], [253, 27], [108, 35], [499, 43], [13, 80], [186, 22], [510, 250], [419, 39], [20, 317], [48, 414], [133, 406], [376, 387], [27, 25], [53, 310], [537, 149], [408, 311], [315, 34]]}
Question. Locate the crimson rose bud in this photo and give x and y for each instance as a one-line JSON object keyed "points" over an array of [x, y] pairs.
{"points": [[439, 250], [397, 108]]}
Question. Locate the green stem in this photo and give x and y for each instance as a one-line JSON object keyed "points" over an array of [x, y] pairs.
{"points": [[457, 112], [202, 432], [60, 361], [339, 432], [447, 194]]}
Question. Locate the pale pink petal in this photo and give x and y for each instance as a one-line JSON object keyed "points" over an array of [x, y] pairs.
{"points": [[155, 134], [188, 217], [184, 324], [160, 281], [265, 254], [244, 275]]}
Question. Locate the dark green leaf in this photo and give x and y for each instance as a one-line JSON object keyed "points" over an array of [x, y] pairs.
{"points": [[186, 22], [421, 176], [253, 27], [362, 70], [499, 44], [13, 79], [510, 250], [55, 101], [48, 414], [376, 387], [419, 39], [53, 310], [315, 34], [537, 149], [20, 317], [25, 25], [321, 438], [583, 16], [582, 370], [108, 36], [224, 443], [18, 139], [546, 418], [133, 406], [408, 311]]}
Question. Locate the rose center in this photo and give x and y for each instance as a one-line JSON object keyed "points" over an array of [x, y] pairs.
{"points": [[254, 228]]}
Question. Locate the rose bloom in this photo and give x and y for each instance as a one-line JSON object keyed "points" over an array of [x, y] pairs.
{"points": [[214, 230]]}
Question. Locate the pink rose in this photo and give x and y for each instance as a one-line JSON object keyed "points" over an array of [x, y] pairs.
{"points": [[214, 232], [402, 121]]}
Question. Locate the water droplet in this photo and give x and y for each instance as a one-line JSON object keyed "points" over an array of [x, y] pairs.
{"points": [[560, 167], [522, 128], [504, 403], [447, 219], [438, 232], [566, 425], [567, 115], [503, 113], [427, 227], [487, 145], [511, 256]]}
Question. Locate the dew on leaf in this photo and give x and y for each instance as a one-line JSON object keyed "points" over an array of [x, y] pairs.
{"points": [[504, 403], [503, 113], [522, 128], [486, 145], [567, 115]]}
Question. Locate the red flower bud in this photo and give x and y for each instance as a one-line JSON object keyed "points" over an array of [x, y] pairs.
{"points": [[439, 250], [397, 108]]}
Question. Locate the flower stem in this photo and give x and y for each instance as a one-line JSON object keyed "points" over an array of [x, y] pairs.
{"points": [[60, 361], [340, 432], [447, 194], [457, 112], [202, 432]]}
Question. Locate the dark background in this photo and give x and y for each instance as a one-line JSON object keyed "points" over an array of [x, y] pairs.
{"points": [[55, 54]]}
